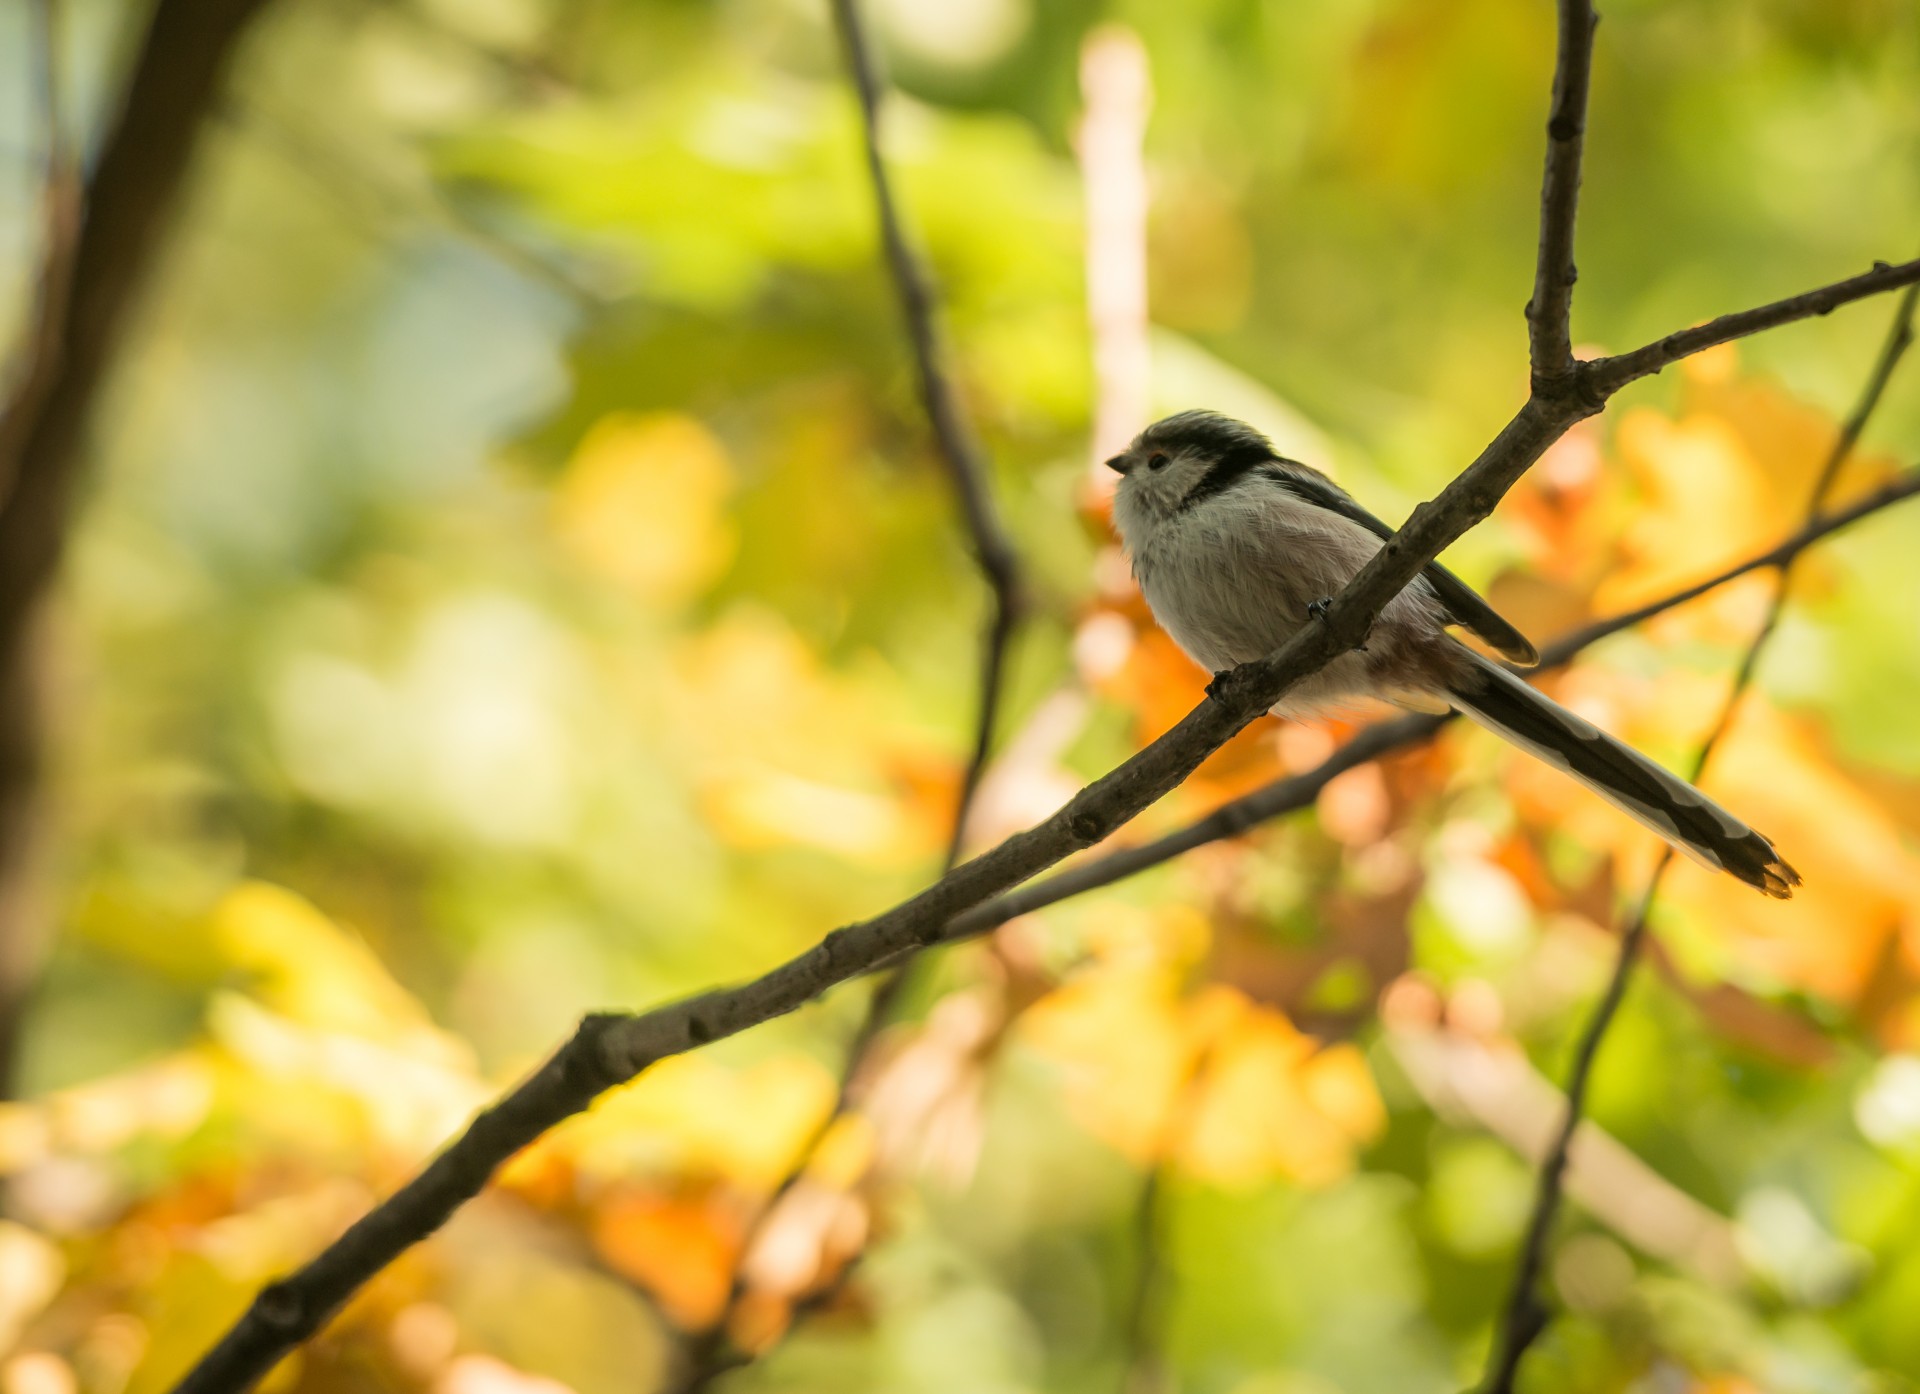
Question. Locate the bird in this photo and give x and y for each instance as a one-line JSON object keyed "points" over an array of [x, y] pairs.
{"points": [[1237, 547]]}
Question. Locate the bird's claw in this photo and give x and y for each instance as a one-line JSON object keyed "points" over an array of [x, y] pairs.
{"points": [[1317, 610], [1216, 685]]}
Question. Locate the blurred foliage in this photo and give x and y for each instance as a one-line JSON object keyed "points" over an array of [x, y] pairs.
{"points": [[517, 582]]}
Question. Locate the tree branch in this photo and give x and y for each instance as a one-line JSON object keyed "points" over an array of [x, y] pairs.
{"points": [[965, 466], [1606, 376], [1526, 1314], [1550, 311]]}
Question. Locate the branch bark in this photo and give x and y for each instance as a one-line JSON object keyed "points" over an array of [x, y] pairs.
{"points": [[1606, 376], [127, 206], [1550, 311], [1526, 1314]]}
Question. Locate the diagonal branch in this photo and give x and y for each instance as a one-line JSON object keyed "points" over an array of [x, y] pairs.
{"points": [[959, 452], [1605, 376], [1550, 311], [1526, 1313], [611, 1049]]}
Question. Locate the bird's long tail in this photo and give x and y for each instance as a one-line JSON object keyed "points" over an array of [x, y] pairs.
{"points": [[1625, 778]]}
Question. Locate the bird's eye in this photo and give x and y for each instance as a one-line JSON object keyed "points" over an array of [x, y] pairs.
{"points": [[1157, 460]]}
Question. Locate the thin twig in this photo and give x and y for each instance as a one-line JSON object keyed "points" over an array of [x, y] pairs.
{"points": [[1526, 1314], [1550, 311], [965, 465], [710, 1354], [1144, 1329], [1606, 376]]}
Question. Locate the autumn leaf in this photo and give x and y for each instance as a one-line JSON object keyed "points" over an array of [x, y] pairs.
{"points": [[643, 502]]}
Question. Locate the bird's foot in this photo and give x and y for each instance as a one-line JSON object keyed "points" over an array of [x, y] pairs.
{"points": [[1217, 684], [1317, 610]]}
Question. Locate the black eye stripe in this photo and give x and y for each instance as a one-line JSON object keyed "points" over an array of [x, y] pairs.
{"points": [[1233, 466]]}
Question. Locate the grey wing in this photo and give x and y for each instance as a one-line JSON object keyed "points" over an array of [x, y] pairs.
{"points": [[1463, 606]]}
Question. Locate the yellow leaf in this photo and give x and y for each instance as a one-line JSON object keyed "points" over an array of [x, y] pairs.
{"points": [[1232, 1090], [1269, 1105], [31, 1271], [749, 1125], [788, 753], [1123, 1051], [1704, 504], [310, 970], [845, 1154], [643, 502]]}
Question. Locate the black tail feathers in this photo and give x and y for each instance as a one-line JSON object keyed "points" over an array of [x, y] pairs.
{"points": [[1628, 780]]}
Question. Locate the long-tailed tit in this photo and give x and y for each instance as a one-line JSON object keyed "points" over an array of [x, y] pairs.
{"points": [[1237, 548]]}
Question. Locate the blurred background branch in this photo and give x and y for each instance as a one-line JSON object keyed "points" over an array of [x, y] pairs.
{"points": [[719, 1349], [102, 242], [966, 465]]}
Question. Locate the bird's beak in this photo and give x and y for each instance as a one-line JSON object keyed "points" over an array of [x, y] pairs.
{"points": [[1120, 464]]}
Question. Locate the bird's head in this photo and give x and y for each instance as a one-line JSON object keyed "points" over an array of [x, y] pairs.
{"points": [[1172, 457]]}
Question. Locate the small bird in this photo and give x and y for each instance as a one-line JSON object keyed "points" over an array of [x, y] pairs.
{"points": [[1237, 548]]}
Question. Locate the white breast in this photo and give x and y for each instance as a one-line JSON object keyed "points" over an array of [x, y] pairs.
{"points": [[1231, 580]]}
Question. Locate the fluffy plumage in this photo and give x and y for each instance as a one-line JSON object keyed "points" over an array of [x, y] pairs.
{"points": [[1233, 545]]}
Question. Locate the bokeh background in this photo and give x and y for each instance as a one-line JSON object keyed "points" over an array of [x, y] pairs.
{"points": [[515, 579]]}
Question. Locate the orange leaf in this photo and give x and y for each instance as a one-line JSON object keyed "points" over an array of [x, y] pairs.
{"points": [[682, 1248]]}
